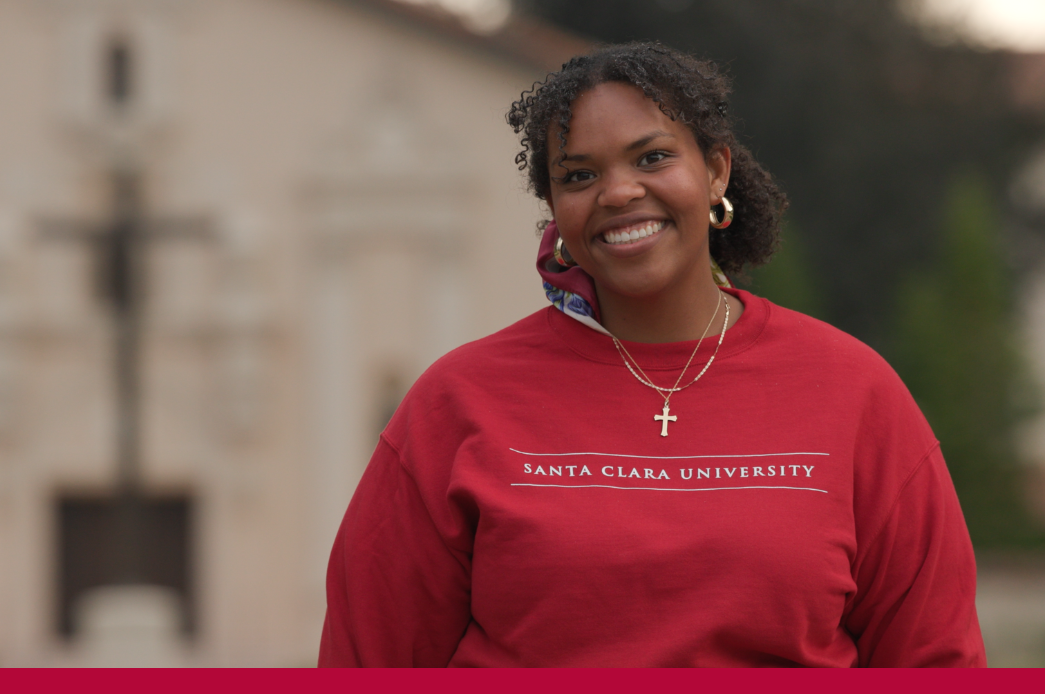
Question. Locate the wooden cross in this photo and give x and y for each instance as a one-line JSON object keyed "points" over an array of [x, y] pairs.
{"points": [[664, 419], [118, 243]]}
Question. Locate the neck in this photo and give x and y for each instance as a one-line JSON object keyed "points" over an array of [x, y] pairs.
{"points": [[677, 316]]}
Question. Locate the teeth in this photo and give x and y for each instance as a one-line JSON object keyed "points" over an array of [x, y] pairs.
{"points": [[619, 237]]}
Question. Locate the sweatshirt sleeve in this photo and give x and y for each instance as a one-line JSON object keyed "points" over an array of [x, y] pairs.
{"points": [[397, 595], [916, 580]]}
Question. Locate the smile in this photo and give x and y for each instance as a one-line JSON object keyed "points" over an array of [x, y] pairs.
{"points": [[626, 235]]}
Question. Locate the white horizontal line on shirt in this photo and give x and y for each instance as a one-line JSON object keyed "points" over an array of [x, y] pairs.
{"points": [[666, 457], [663, 489]]}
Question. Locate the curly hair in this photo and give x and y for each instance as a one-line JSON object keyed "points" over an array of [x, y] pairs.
{"points": [[686, 89]]}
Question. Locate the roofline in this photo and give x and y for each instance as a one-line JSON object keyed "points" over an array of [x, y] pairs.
{"points": [[523, 39]]}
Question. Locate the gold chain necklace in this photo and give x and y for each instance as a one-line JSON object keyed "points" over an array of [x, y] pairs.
{"points": [[666, 393]]}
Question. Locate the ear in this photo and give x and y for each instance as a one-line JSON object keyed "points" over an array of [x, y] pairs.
{"points": [[719, 163]]}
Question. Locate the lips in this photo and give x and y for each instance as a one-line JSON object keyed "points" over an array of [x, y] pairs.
{"points": [[632, 233]]}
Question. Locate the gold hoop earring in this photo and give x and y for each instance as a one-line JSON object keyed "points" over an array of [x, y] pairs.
{"points": [[562, 255], [727, 218]]}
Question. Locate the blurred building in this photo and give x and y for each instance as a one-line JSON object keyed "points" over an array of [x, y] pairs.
{"points": [[324, 200], [1028, 199]]}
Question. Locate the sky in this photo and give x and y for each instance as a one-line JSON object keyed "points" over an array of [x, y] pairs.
{"points": [[1011, 24]]}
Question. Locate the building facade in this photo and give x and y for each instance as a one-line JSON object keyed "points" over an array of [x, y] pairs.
{"points": [[325, 202]]}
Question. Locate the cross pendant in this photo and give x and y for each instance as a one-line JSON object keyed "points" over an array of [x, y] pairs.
{"points": [[664, 419]]}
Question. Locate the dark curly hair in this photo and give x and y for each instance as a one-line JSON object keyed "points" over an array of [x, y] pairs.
{"points": [[685, 88]]}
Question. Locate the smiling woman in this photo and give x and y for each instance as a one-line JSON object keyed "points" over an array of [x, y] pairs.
{"points": [[601, 485], [632, 206]]}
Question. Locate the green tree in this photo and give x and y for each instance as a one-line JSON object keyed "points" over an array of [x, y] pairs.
{"points": [[955, 348]]}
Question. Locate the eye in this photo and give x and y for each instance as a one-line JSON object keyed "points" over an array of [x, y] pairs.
{"points": [[578, 176], [654, 157]]}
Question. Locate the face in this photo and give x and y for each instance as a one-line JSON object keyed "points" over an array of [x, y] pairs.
{"points": [[632, 192]]}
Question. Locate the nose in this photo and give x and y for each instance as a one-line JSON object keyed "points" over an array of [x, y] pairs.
{"points": [[619, 189]]}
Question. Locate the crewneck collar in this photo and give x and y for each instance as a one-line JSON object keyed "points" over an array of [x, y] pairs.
{"points": [[599, 347]]}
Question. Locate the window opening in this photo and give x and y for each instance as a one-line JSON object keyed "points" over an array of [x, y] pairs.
{"points": [[119, 72], [89, 550]]}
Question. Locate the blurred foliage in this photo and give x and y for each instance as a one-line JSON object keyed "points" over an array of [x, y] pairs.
{"points": [[955, 349], [791, 279], [864, 122], [860, 119]]}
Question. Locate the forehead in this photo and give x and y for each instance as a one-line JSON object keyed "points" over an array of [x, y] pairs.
{"points": [[610, 116]]}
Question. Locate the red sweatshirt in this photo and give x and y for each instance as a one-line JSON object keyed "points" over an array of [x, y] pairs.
{"points": [[523, 509]]}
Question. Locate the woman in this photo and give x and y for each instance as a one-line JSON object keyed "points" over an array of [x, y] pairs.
{"points": [[658, 469]]}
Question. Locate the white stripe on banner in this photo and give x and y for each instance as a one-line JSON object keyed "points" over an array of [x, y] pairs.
{"points": [[666, 457], [663, 489]]}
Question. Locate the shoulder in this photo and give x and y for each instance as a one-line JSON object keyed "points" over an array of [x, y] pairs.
{"points": [[854, 384], [523, 339], [817, 337], [466, 377], [835, 366], [820, 348]]}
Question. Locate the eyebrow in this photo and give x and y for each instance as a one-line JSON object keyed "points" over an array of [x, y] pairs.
{"points": [[637, 144]]}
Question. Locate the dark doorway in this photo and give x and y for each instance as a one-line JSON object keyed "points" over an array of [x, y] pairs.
{"points": [[119, 72], [89, 549]]}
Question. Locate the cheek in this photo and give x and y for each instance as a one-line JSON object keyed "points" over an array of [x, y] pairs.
{"points": [[570, 214], [684, 193]]}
